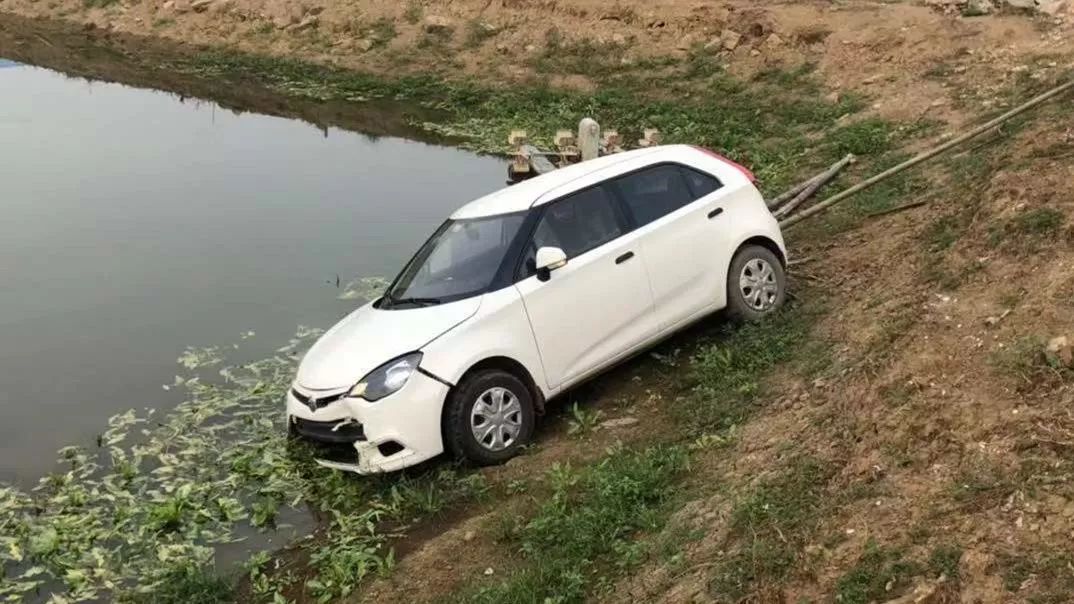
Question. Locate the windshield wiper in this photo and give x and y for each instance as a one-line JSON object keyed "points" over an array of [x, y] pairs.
{"points": [[415, 301]]}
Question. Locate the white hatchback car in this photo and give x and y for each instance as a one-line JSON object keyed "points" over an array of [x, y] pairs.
{"points": [[530, 290]]}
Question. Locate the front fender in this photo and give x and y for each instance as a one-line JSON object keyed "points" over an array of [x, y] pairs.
{"points": [[500, 328]]}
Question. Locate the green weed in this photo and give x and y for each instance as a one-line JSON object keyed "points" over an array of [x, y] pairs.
{"points": [[584, 422]]}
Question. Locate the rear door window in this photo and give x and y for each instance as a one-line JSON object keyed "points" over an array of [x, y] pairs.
{"points": [[655, 192]]}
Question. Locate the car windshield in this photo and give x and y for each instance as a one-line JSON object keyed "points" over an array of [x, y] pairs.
{"points": [[460, 260]]}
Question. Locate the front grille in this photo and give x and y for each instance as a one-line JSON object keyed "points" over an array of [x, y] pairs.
{"points": [[316, 403], [326, 432]]}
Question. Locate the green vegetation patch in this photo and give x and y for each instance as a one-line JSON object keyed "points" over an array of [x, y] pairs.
{"points": [[591, 515], [779, 129], [879, 575], [1046, 574], [728, 372]]}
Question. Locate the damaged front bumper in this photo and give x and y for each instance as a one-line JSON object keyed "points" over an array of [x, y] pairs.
{"points": [[393, 433]]}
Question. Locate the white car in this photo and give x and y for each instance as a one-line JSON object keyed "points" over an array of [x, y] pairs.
{"points": [[530, 290]]}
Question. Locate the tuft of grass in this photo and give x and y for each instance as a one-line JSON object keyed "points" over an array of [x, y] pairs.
{"points": [[590, 518], [413, 12], [879, 575], [1053, 580], [1028, 231], [478, 32], [867, 137], [770, 527], [982, 486], [1040, 222], [944, 232], [1027, 360], [728, 372], [944, 561], [98, 3], [381, 31]]}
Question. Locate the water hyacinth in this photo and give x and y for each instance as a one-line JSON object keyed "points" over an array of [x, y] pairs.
{"points": [[364, 288], [118, 521]]}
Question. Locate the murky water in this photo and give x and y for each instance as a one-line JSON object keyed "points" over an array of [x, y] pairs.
{"points": [[134, 223]]}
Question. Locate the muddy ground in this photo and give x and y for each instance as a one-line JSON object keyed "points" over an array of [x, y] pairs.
{"points": [[941, 420]]}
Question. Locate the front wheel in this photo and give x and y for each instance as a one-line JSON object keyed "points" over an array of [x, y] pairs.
{"points": [[489, 418], [756, 284]]}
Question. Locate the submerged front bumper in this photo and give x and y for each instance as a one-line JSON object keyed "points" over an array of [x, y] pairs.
{"points": [[395, 432]]}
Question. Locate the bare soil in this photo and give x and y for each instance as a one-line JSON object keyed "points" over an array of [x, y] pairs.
{"points": [[937, 405]]}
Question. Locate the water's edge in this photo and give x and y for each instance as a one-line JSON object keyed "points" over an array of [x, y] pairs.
{"points": [[143, 62]]}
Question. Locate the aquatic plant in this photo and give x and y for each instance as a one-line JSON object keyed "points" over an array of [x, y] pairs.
{"points": [[137, 516]]}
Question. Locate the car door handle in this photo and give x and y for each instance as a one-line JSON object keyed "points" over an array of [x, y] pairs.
{"points": [[715, 213], [624, 257]]}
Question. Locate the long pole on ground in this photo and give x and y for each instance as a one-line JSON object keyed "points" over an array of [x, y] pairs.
{"points": [[926, 155]]}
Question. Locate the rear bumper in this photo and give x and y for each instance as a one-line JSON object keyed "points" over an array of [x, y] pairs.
{"points": [[393, 433]]}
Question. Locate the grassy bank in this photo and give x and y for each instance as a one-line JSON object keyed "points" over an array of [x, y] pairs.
{"points": [[596, 524]]}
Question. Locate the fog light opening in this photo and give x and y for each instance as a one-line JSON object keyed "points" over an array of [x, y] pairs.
{"points": [[389, 448]]}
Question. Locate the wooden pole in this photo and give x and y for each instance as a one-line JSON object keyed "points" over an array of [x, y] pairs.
{"points": [[589, 138], [926, 155]]}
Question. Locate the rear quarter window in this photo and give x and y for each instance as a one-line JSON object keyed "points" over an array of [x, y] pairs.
{"points": [[700, 183]]}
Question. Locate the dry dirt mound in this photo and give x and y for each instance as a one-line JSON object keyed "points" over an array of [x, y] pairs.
{"points": [[905, 56]]}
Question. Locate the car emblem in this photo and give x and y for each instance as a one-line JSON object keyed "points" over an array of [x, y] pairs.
{"points": [[311, 403]]}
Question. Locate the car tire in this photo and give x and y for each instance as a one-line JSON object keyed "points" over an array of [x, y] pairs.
{"points": [[489, 418], [756, 284]]}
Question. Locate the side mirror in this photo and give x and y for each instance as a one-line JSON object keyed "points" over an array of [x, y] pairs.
{"points": [[549, 259]]}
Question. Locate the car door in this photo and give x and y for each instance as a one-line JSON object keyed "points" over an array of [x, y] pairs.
{"points": [[677, 211], [596, 308]]}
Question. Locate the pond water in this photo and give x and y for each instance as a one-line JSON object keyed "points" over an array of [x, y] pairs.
{"points": [[134, 223]]}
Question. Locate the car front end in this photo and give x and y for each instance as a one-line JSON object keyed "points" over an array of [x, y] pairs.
{"points": [[399, 428]]}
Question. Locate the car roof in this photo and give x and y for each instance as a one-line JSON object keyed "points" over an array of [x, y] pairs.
{"points": [[534, 191]]}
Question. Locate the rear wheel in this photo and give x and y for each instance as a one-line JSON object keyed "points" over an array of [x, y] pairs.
{"points": [[756, 284], [489, 418]]}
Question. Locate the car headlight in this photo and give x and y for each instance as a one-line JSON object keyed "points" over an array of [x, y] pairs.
{"points": [[387, 378]]}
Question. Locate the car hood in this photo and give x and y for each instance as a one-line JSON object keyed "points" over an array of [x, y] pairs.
{"points": [[367, 338]]}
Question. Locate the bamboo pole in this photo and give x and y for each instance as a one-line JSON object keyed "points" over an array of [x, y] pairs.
{"points": [[818, 181], [782, 198], [926, 155]]}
